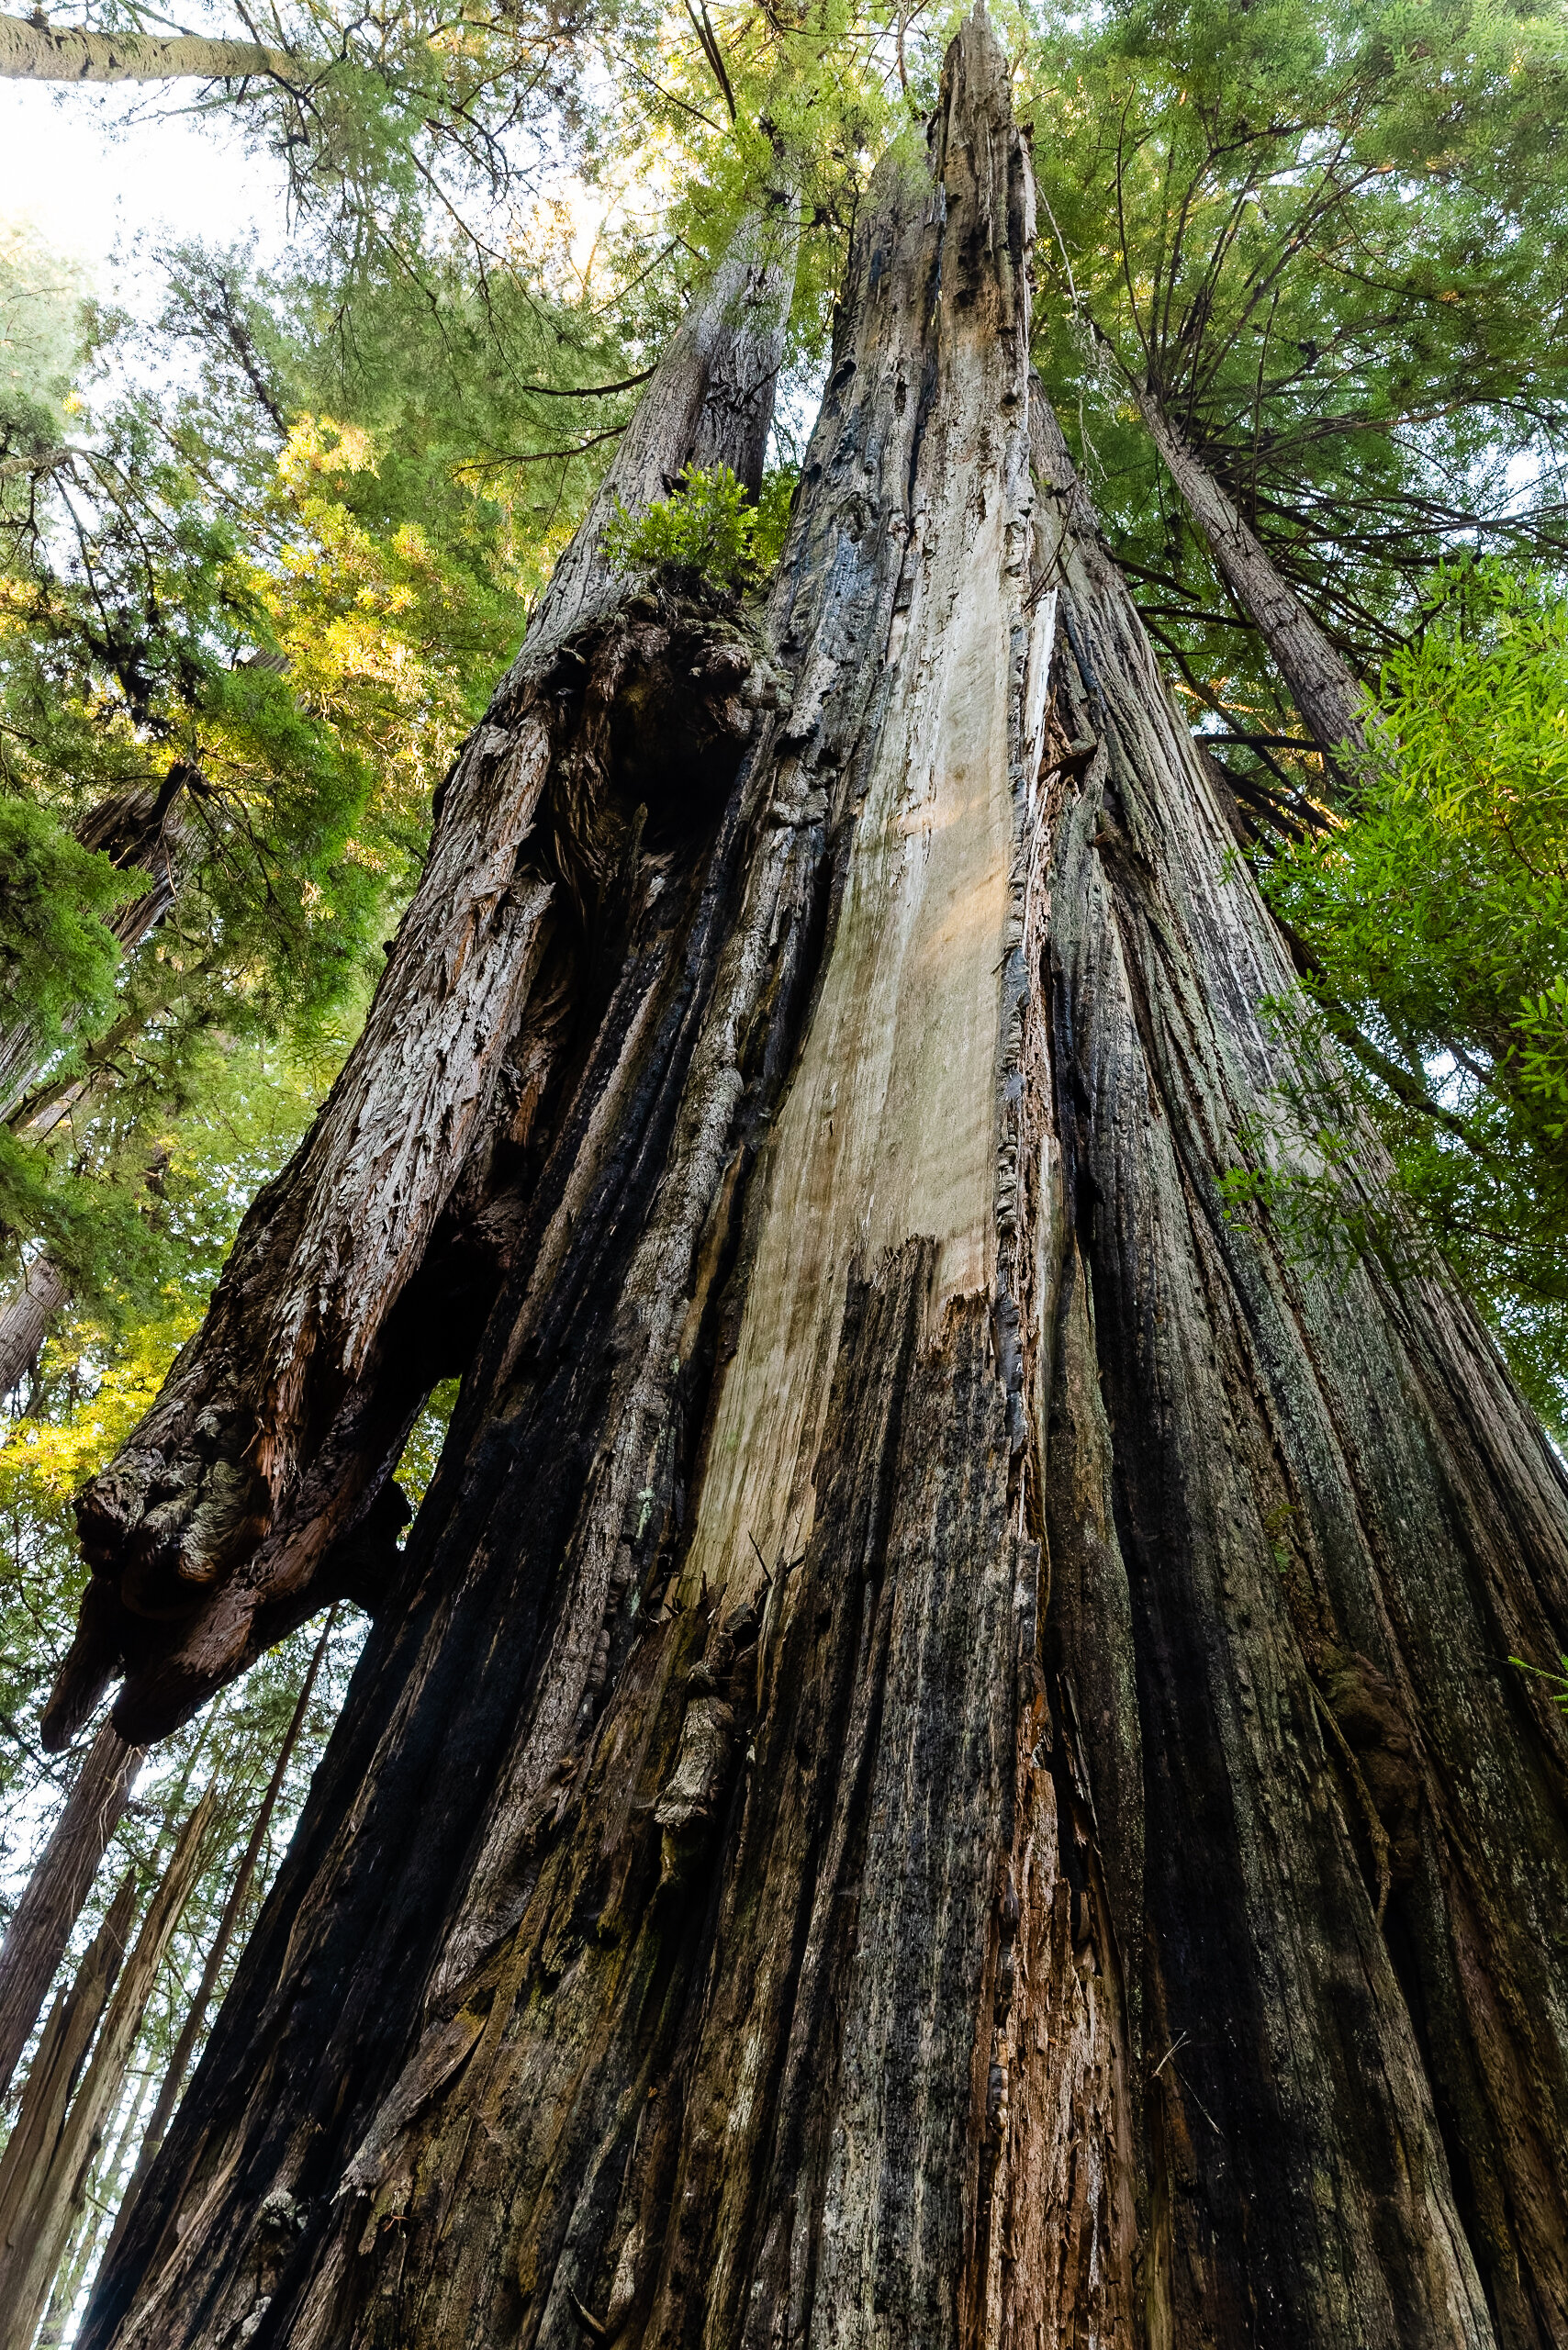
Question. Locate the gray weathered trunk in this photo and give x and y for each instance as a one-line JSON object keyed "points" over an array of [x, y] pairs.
{"points": [[272, 1437], [943, 1770], [1320, 682], [51, 1900]]}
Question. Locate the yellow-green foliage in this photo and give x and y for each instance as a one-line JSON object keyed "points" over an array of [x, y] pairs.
{"points": [[710, 530]]}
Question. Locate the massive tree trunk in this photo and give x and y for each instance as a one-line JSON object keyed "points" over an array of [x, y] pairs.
{"points": [[1321, 684], [52, 1900], [943, 1769], [234, 1508]]}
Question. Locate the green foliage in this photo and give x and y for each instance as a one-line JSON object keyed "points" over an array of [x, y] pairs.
{"points": [[1556, 1682], [709, 532], [57, 956], [1436, 913]]}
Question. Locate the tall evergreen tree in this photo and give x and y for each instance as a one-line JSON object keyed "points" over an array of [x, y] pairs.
{"points": [[940, 1761]]}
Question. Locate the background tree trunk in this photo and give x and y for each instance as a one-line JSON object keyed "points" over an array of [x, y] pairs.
{"points": [[944, 1769], [46, 2096], [209, 1530], [1321, 684], [51, 1900], [41, 2198], [32, 50]]}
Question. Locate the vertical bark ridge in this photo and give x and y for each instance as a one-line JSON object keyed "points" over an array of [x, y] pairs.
{"points": [[1334, 1511]]}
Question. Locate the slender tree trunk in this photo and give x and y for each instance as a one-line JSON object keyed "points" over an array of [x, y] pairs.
{"points": [[33, 50], [101, 2203], [25, 1319], [51, 1901], [1321, 684], [234, 1909], [209, 1532], [41, 2196], [147, 831], [51, 2084], [944, 1771]]}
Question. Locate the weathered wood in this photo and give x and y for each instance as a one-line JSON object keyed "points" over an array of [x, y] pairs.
{"points": [[41, 2194], [52, 1900], [1321, 684], [860, 1826], [280, 1419]]}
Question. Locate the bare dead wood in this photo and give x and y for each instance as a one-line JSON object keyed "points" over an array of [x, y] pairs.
{"points": [[38, 1936], [280, 1419]]}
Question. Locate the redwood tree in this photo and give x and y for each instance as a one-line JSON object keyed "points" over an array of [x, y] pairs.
{"points": [[940, 1762]]}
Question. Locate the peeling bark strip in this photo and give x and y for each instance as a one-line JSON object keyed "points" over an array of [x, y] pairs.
{"points": [[282, 1416], [1329, 700], [860, 1830]]}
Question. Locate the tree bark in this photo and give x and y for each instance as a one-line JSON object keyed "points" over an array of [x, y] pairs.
{"points": [[41, 2192], [35, 52], [51, 1900], [1321, 684], [270, 1443], [943, 1771], [196, 2017], [51, 2079], [26, 1317]]}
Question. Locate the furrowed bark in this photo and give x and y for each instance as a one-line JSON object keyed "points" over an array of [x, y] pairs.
{"points": [[944, 1771], [226, 1513], [51, 1900], [1338, 1520], [1321, 684], [35, 52]]}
